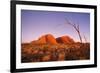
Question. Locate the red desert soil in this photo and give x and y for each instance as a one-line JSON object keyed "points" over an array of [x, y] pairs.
{"points": [[49, 48]]}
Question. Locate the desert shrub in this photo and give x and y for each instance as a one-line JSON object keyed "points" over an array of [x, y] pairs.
{"points": [[59, 52]]}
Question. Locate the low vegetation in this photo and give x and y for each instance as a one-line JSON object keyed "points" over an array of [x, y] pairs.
{"points": [[58, 52]]}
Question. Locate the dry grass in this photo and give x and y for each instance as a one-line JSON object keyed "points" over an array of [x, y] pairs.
{"points": [[59, 52]]}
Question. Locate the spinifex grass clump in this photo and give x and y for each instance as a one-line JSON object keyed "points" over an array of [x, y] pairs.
{"points": [[59, 52]]}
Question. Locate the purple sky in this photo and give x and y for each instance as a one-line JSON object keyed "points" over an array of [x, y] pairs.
{"points": [[36, 23]]}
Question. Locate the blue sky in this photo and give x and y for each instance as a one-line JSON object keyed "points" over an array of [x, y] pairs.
{"points": [[36, 23]]}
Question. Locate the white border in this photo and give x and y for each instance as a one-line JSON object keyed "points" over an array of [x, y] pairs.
{"points": [[20, 65]]}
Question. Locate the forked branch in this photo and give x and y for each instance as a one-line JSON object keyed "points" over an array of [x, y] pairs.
{"points": [[77, 28]]}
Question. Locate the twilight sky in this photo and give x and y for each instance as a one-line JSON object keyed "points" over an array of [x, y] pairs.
{"points": [[36, 23]]}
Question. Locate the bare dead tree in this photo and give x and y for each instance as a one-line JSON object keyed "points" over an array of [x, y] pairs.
{"points": [[85, 39], [76, 27]]}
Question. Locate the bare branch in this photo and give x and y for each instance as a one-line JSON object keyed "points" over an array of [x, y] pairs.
{"points": [[85, 38], [76, 27]]}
